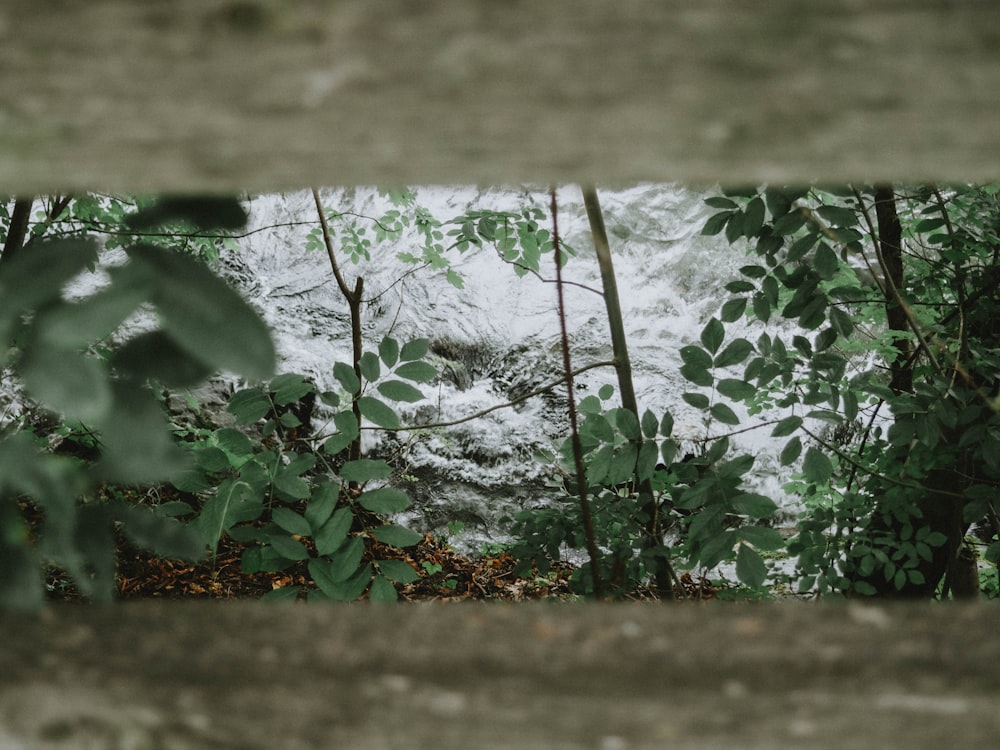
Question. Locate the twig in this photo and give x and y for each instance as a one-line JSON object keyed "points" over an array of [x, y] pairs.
{"points": [[580, 469]]}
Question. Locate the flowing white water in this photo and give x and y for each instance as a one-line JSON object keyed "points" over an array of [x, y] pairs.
{"points": [[670, 281]]}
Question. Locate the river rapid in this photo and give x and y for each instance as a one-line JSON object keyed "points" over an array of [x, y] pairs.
{"points": [[498, 337]]}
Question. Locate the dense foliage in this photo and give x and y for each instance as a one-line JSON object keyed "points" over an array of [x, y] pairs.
{"points": [[893, 293], [876, 341], [880, 356]]}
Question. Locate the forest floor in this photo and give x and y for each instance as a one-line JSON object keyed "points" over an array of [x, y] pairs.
{"points": [[445, 574]]}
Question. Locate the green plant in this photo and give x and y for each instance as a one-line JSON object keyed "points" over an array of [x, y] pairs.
{"points": [[291, 498], [67, 354], [908, 273]]}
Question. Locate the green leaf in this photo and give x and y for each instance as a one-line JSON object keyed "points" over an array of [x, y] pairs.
{"points": [[139, 448], [717, 201], [750, 568], [75, 325], [841, 321], [786, 426], [290, 521], [777, 201], [791, 452], [838, 216], [385, 500], [724, 414], [645, 464], [165, 537], [734, 227], [754, 505], [817, 466], [30, 279], [697, 400], [696, 357], [761, 307], [369, 366], [341, 590], [753, 219], [68, 382], [825, 339], [754, 271], [174, 509], [364, 470], [321, 505], [668, 451], [347, 377], [622, 466], [204, 212], [420, 372], [333, 533], [291, 485], [249, 406], [605, 392], [397, 536], [716, 223], [739, 286], [667, 424], [790, 223], [712, 335], [397, 390], [697, 375], [205, 316], [740, 191], [378, 412], [289, 388], [733, 309], [337, 443], [734, 353], [399, 571], [814, 313], [761, 537], [626, 422], [928, 225], [233, 442], [415, 349], [388, 350], [234, 502], [347, 559], [717, 547], [382, 590], [826, 263], [155, 356], [650, 424], [288, 548], [211, 460], [801, 247], [769, 288], [737, 390]]}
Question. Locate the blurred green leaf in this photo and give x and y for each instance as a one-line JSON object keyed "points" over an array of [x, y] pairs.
{"points": [[397, 536], [205, 316]]}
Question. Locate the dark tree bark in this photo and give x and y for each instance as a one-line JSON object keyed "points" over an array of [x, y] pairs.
{"points": [[890, 252], [940, 505], [18, 229]]}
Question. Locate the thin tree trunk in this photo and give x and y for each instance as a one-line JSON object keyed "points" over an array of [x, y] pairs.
{"points": [[578, 465], [890, 247], [18, 229], [353, 298], [661, 567]]}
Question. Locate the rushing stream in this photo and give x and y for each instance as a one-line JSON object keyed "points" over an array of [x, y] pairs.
{"points": [[498, 336]]}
